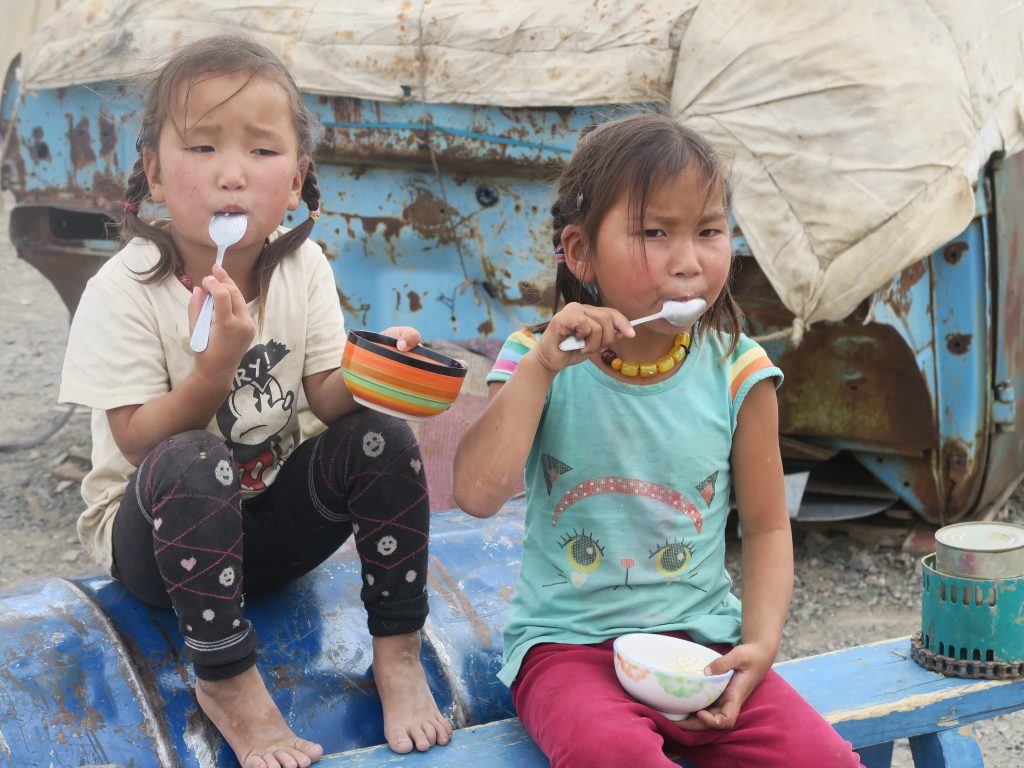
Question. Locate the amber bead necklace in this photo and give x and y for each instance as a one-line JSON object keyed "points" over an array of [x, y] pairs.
{"points": [[676, 355]]}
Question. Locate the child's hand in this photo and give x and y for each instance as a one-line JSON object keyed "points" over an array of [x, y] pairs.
{"points": [[231, 332], [597, 326], [408, 337], [751, 663]]}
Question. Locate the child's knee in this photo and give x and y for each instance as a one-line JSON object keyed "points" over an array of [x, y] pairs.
{"points": [[194, 445], [196, 460], [374, 435]]}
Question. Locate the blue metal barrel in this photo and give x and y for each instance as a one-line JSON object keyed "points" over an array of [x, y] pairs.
{"points": [[92, 677]]}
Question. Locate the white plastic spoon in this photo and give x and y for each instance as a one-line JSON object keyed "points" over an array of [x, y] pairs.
{"points": [[681, 313], [226, 229]]}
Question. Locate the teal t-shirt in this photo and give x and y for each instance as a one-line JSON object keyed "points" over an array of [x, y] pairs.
{"points": [[627, 499]]}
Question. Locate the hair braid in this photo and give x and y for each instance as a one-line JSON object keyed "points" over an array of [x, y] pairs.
{"points": [[291, 239], [131, 225], [310, 189]]}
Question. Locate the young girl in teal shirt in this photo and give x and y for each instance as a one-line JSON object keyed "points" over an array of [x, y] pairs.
{"points": [[630, 448]]}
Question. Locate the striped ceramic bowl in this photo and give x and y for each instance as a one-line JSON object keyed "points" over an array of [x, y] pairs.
{"points": [[410, 385]]}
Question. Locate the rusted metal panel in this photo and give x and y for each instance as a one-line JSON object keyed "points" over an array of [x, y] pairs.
{"points": [[438, 215], [1006, 440]]}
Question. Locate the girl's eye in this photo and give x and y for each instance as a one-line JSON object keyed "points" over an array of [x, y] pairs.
{"points": [[710, 232], [264, 152], [654, 233], [672, 558], [201, 148], [582, 551]]}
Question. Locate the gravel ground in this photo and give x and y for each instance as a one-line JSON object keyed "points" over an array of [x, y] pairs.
{"points": [[853, 583]]}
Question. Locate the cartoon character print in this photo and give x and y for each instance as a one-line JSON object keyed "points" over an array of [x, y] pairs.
{"points": [[256, 413], [673, 558]]}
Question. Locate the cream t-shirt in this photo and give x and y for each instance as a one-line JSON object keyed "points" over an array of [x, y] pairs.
{"points": [[129, 343]]}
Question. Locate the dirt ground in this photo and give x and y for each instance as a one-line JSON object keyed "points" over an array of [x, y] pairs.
{"points": [[853, 583]]}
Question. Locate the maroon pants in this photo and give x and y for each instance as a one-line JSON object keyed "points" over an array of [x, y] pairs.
{"points": [[570, 701]]}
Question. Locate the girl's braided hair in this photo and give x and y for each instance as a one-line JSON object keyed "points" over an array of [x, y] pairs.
{"points": [[634, 155], [216, 55]]}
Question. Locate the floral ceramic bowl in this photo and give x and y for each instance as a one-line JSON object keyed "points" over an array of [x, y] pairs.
{"points": [[410, 385], [667, 673]]}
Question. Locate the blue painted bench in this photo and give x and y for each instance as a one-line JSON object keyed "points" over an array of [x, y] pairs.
{"points": [[872, 694]]}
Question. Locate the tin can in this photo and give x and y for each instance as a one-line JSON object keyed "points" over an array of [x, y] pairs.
{"points": [[980, 550]]}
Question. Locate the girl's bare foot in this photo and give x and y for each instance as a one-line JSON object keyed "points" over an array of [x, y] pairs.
{"points": [[242, 710], [411, 718]]}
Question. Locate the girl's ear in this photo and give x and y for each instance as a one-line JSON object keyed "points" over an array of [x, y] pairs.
{"points": [[576, 254], [151, 166], [295, 194]]}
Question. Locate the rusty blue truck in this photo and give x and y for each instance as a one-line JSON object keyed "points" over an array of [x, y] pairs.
{"points": [[438, 212]]}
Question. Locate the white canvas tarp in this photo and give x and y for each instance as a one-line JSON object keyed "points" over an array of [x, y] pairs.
{"points": [[856, 130]]}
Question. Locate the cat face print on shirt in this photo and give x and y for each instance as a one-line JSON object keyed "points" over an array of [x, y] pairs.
{"points": [[601, 549]]}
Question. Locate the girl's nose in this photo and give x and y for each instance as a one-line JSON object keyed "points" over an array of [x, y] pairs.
{"points": [[685, 260], [231, 175]]}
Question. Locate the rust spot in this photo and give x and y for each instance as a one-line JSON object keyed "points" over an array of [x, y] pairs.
{"points": [[415, 304], [108, 135], [80, 143], [347, 110], [15, 160], [486, 328], [954, 251], [958, 343], [899, 295], [392, 226], [352, 312], [429, 217]]}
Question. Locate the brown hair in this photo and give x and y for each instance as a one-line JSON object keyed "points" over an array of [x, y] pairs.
{"points": [[224, 55], [635, 153]]}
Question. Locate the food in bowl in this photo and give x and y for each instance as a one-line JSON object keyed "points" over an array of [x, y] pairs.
{"points": [[667, 673], [412, 384]]}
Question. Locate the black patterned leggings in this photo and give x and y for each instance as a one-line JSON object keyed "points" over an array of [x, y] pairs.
{"points": [[184, 538]]}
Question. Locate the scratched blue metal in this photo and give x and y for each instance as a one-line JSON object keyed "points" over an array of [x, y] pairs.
{"points": [[68, 692], [93, 676]]}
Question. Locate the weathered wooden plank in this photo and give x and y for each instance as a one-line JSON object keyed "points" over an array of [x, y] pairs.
{"points": [[875, 693], [500, 744], [872, 694]]}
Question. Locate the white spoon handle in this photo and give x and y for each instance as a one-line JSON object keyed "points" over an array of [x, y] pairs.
{"points": [[572, 343], [201, 333]]}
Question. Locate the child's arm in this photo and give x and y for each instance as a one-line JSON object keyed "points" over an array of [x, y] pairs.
{"points": [[137, 429], [328, 396], [767, 555], [492, 453]]}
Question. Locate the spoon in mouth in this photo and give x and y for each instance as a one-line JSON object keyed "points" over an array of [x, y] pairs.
{"points": [[681, 313], [226, 229]]}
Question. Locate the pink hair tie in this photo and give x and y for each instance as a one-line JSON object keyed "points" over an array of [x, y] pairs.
{"points": [[560, 254], [314, 214], [131, 207]]}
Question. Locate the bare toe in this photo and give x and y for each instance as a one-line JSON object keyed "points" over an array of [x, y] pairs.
{"points": [[399, 741], [311, 751]]}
